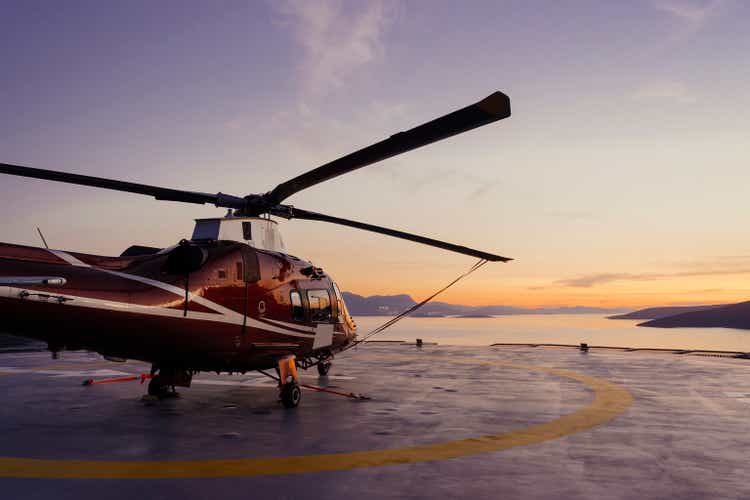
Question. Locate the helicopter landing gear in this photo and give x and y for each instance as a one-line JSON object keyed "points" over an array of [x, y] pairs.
{"points": [[162, 384], [323, 368], [290, 392], [155, 387]]}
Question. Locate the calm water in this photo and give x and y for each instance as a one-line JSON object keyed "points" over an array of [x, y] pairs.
{"points": [[555, 329]]}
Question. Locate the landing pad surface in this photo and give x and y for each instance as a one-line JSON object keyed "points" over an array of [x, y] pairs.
{"points": [[442, 422]]}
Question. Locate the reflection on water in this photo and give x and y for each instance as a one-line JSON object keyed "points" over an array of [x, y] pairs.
{"points": [[555, 329]]}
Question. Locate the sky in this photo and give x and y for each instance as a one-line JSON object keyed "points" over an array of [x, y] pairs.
{"points": [[620, 180]]}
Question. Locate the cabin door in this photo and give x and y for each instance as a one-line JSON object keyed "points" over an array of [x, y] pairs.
{"points": [[250, 274], [321, 313]]}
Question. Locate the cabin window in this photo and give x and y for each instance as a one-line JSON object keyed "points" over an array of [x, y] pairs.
{"points": [[298, 311], [251, 264], [247, 231], [320, 305], [222, 274], [240, 275]]}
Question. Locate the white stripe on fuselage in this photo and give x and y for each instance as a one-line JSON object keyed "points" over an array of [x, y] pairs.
{"points": [[68, 258], [230, 315], [110, 305], [225, 315], [284, 324]]}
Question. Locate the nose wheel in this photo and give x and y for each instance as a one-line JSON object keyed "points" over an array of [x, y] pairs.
{"points": [[291, 394]]}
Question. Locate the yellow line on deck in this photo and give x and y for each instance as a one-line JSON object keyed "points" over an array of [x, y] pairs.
{"points": [[610, 400]]}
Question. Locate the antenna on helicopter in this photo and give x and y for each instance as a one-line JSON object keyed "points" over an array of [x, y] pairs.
{"points": [[42, 237]]}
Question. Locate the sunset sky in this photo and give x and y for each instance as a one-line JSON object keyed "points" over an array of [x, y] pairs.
{"points": [[621, 179]]}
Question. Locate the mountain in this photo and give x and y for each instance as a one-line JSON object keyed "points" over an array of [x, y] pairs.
{"points": [[391, 305], [377, 305], [662, 312], [727, 316]]}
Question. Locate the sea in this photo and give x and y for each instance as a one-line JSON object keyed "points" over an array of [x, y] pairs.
{"points": [[592, 329]]}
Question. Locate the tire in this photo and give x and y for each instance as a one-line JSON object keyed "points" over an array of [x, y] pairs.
{"points": [[324, 368], [154, 387], [291, 394]]}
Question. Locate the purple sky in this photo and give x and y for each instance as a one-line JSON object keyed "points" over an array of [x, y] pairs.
{"points": [[620, 179]]}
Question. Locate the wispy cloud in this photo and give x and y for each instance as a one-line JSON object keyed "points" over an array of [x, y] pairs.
{"points": [[676, 92], [590, 280], [695, 12], [335, 42], [571, 215], [473, 186], [684, 20], [596, 279], [483, 189], [715, 262], [337, 38]]}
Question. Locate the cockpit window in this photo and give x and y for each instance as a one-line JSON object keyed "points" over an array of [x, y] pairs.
{"points": [[298, 310], [320, 305]]}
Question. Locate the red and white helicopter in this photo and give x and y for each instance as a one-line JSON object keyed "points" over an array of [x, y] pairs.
{"points": [[229, 299]]}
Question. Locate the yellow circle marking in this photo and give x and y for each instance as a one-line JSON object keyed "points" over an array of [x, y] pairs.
{"points": [[609, 401]]}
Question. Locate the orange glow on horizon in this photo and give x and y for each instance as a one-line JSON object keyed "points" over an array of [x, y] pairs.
{"points": [[638, 295]]}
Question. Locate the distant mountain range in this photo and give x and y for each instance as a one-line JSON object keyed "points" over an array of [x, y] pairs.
{"points": [[707, 316], [661, 312], [726, 316], [718, 315], [391, 305]]}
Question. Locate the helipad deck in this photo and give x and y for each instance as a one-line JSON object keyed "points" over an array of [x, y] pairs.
{"points": [[510, 422]]}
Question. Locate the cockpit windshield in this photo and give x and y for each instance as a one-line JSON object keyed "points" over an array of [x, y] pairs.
{"points": [[342, 311]]}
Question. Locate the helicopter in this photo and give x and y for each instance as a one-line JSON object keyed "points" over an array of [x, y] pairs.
{"points": [[228, 299]]}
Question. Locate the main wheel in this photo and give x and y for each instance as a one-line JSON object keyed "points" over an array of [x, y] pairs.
{"points": [[324, 368], [154, 387], [291, 394]]}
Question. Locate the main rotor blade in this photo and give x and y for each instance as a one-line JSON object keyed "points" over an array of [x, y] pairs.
{"points": [[160, 193], [296, 213], [490, 109]]}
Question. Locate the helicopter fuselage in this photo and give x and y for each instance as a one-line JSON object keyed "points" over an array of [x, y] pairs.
{"points": [[208, 305], [211, 303]]}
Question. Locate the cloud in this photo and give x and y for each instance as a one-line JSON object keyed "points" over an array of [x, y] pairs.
{"points": [[687, 18], [337, 38], [471, 186], [694, 12], [596, 279], [722, 263], [334, 41], [571, 215], [589, 280], [671, 91], [483, 188]]}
